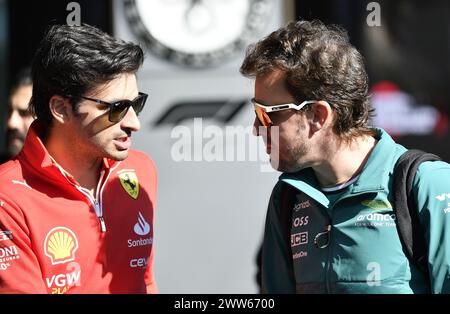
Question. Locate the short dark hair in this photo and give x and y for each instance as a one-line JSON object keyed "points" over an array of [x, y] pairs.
{"points": [[72, 60], [320, 64], [22, 78]]}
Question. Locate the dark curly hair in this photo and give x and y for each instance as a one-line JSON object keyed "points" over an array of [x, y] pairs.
{"points": [[71, 60], [319, 63]]}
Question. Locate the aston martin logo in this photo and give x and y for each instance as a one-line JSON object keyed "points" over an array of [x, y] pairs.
{"points": [[129, 182], [377, 204], [60, 245]]}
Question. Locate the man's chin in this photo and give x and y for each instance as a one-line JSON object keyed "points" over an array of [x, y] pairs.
{"points": [[284, 166], [118, 155], [14, 148], [275, 161]]}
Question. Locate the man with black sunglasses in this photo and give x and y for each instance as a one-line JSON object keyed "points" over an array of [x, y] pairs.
{"points": [[77, 204], [331, 224]]}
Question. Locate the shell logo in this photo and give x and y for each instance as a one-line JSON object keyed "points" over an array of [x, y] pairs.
{"points": [[60, 245]]}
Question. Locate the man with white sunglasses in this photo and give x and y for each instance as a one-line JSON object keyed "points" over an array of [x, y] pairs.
{"points": [[330, 225]]}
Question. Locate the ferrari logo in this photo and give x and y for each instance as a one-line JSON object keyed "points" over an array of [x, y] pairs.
{"points": [[129, 182]]}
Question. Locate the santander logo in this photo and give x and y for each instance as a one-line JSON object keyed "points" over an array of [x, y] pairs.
{"points": [[141, 227]]}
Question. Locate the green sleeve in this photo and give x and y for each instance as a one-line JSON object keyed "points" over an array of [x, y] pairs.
{"points": [[277, 271], [432, 187]]}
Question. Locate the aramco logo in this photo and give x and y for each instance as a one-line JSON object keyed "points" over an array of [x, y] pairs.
{"points": [[60, 245]]}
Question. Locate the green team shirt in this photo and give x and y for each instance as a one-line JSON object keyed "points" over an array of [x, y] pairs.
{"points": [[347, 242]]}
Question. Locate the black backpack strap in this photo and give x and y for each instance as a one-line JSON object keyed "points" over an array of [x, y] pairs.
{"points": [[408, 223]]}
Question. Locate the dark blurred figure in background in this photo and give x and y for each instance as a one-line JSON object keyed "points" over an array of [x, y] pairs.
{"points": [[19, 119]]}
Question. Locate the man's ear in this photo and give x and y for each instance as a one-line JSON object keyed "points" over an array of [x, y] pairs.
{"points": [[320, 115], [60, 108]]}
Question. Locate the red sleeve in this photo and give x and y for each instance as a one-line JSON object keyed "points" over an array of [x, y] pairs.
{"points": [[149, 275], [19, 268], [150, 281]]}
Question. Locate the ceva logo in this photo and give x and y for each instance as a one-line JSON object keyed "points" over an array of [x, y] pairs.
{"points": [[60, 245]]}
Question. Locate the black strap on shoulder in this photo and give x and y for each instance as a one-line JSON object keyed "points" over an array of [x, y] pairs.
{"points": [[408, 224]]}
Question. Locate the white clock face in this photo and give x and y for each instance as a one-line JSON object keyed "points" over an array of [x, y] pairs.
{"points": [[197, 32]]}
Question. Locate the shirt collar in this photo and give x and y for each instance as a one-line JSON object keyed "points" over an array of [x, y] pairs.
{"points": [[374, 176], [35, 153]]}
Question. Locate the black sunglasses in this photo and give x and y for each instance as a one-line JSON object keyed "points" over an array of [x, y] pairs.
{"points": [[118, 109]]}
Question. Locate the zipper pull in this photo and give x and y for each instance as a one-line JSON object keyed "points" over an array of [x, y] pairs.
{"points": [[318, 241], [102, 223]]}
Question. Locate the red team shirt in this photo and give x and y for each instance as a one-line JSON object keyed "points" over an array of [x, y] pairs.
{"points": [[56, 238]]}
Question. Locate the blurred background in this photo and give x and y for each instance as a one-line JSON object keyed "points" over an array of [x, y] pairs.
{"points": [[211, 212]]}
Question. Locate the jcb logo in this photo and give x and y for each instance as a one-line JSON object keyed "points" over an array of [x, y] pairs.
{"points": [[299, 239]]}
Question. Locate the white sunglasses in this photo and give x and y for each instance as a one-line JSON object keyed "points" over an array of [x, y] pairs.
{"points": [[262, 111]]}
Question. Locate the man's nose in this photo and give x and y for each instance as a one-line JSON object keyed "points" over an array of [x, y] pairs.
{"points": [[14, 121], [131, 121]]}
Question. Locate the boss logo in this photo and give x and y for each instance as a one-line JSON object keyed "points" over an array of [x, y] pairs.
{"points": [[300, 221]]}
